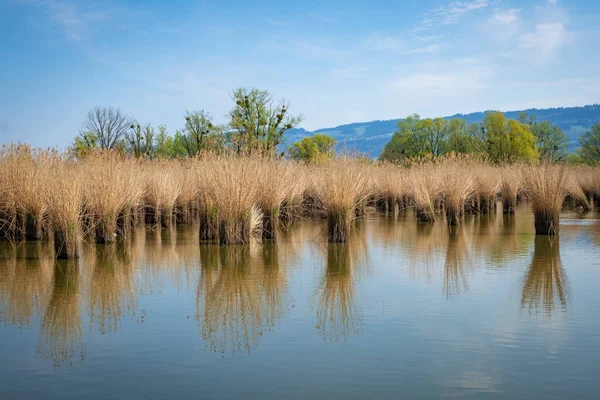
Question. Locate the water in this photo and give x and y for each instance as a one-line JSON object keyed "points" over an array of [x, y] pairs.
{"points": [[403, 310]]}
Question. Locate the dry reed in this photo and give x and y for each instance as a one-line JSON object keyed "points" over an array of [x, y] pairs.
{"points": [[341, 187], [545, 186]]}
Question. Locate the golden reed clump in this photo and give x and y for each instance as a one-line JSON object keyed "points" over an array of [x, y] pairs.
{"points": [[341, 187], [111, 189], [511, 184], [457, 186], [232, 188], [426, 187], [64, 195], [278, 184], [545, 186]]}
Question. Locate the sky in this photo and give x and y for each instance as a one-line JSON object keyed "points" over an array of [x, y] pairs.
{"points": [[335, 62]]}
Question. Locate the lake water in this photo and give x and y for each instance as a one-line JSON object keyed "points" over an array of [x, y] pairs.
{"points": [[403, 310]]}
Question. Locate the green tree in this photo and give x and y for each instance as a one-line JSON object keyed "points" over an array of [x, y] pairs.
{"points": [[590, 145], [304, 150], [257, 122], [317, 147], [508, 140], [463, 138], [551, 141], [163, 143], [199, 132], [83, 144], [139, 141], [418, 137], [325, 144]]}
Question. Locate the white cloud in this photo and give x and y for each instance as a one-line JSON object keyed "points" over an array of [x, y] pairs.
{"points": [[507, 17], [385, 42], [546, 39], [451, 13], [458, 75], [426, 49]]}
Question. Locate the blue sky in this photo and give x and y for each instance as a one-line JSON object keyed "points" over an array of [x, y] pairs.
{"points": [[336, 62]]}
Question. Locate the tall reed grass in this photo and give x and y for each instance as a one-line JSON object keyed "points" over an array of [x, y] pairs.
{"points": [[545, 186], [47, 195]]}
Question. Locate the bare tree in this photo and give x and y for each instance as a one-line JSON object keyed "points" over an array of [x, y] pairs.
{"points": [[107, 124]]}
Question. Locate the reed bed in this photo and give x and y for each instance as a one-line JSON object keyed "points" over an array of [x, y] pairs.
{"points": [[45, 195], [341, 187], [546, 189], [456, 189], [426, 185]]}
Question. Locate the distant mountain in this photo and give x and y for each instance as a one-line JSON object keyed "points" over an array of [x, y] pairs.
{"points": [[371, 137]]}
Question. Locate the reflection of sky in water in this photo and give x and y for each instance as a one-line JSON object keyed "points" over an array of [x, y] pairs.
{"points": [[404, 309]]}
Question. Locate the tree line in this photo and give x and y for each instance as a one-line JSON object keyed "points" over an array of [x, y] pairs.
{"points": [[497, 139], [256, 123]]}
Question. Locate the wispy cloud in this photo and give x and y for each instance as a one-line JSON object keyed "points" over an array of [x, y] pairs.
{"points": [[507, 17], [386, 43], [76, 19], [546, 39], [451, 13], [432, 48], [461, 74]]}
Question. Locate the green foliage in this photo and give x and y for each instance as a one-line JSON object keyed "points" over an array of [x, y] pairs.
{"points": [[551, 141], [418, 138], [140, 140], [309, 149], [83, 144], [590, 145], [508, 140], [257, 122], [199, 133]]}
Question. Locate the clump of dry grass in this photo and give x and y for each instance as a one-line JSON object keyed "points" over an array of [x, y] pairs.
{"points": [[163, 187], [64, 195], [187, 201], [511, 184], [457, 186], [487, 186], [233, 190], [341, 187], [111, 188], [277, 182], [390, 185], [22, 205], [545, 186], [426, 185], [575, 191]]}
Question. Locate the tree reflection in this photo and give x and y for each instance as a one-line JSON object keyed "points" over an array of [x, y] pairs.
{"points": [[60, 333], [338, 314], [241, 293], [545, 287]]}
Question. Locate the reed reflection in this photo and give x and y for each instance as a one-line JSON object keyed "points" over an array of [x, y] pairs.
{"points": [[545, 287], [242, 292], [25, 282], [60, 337], [112, 291], [457, 264], [167, 257], [337, 309]]}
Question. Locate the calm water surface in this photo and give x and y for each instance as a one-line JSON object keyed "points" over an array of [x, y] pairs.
{"points": [[402, 310]]}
